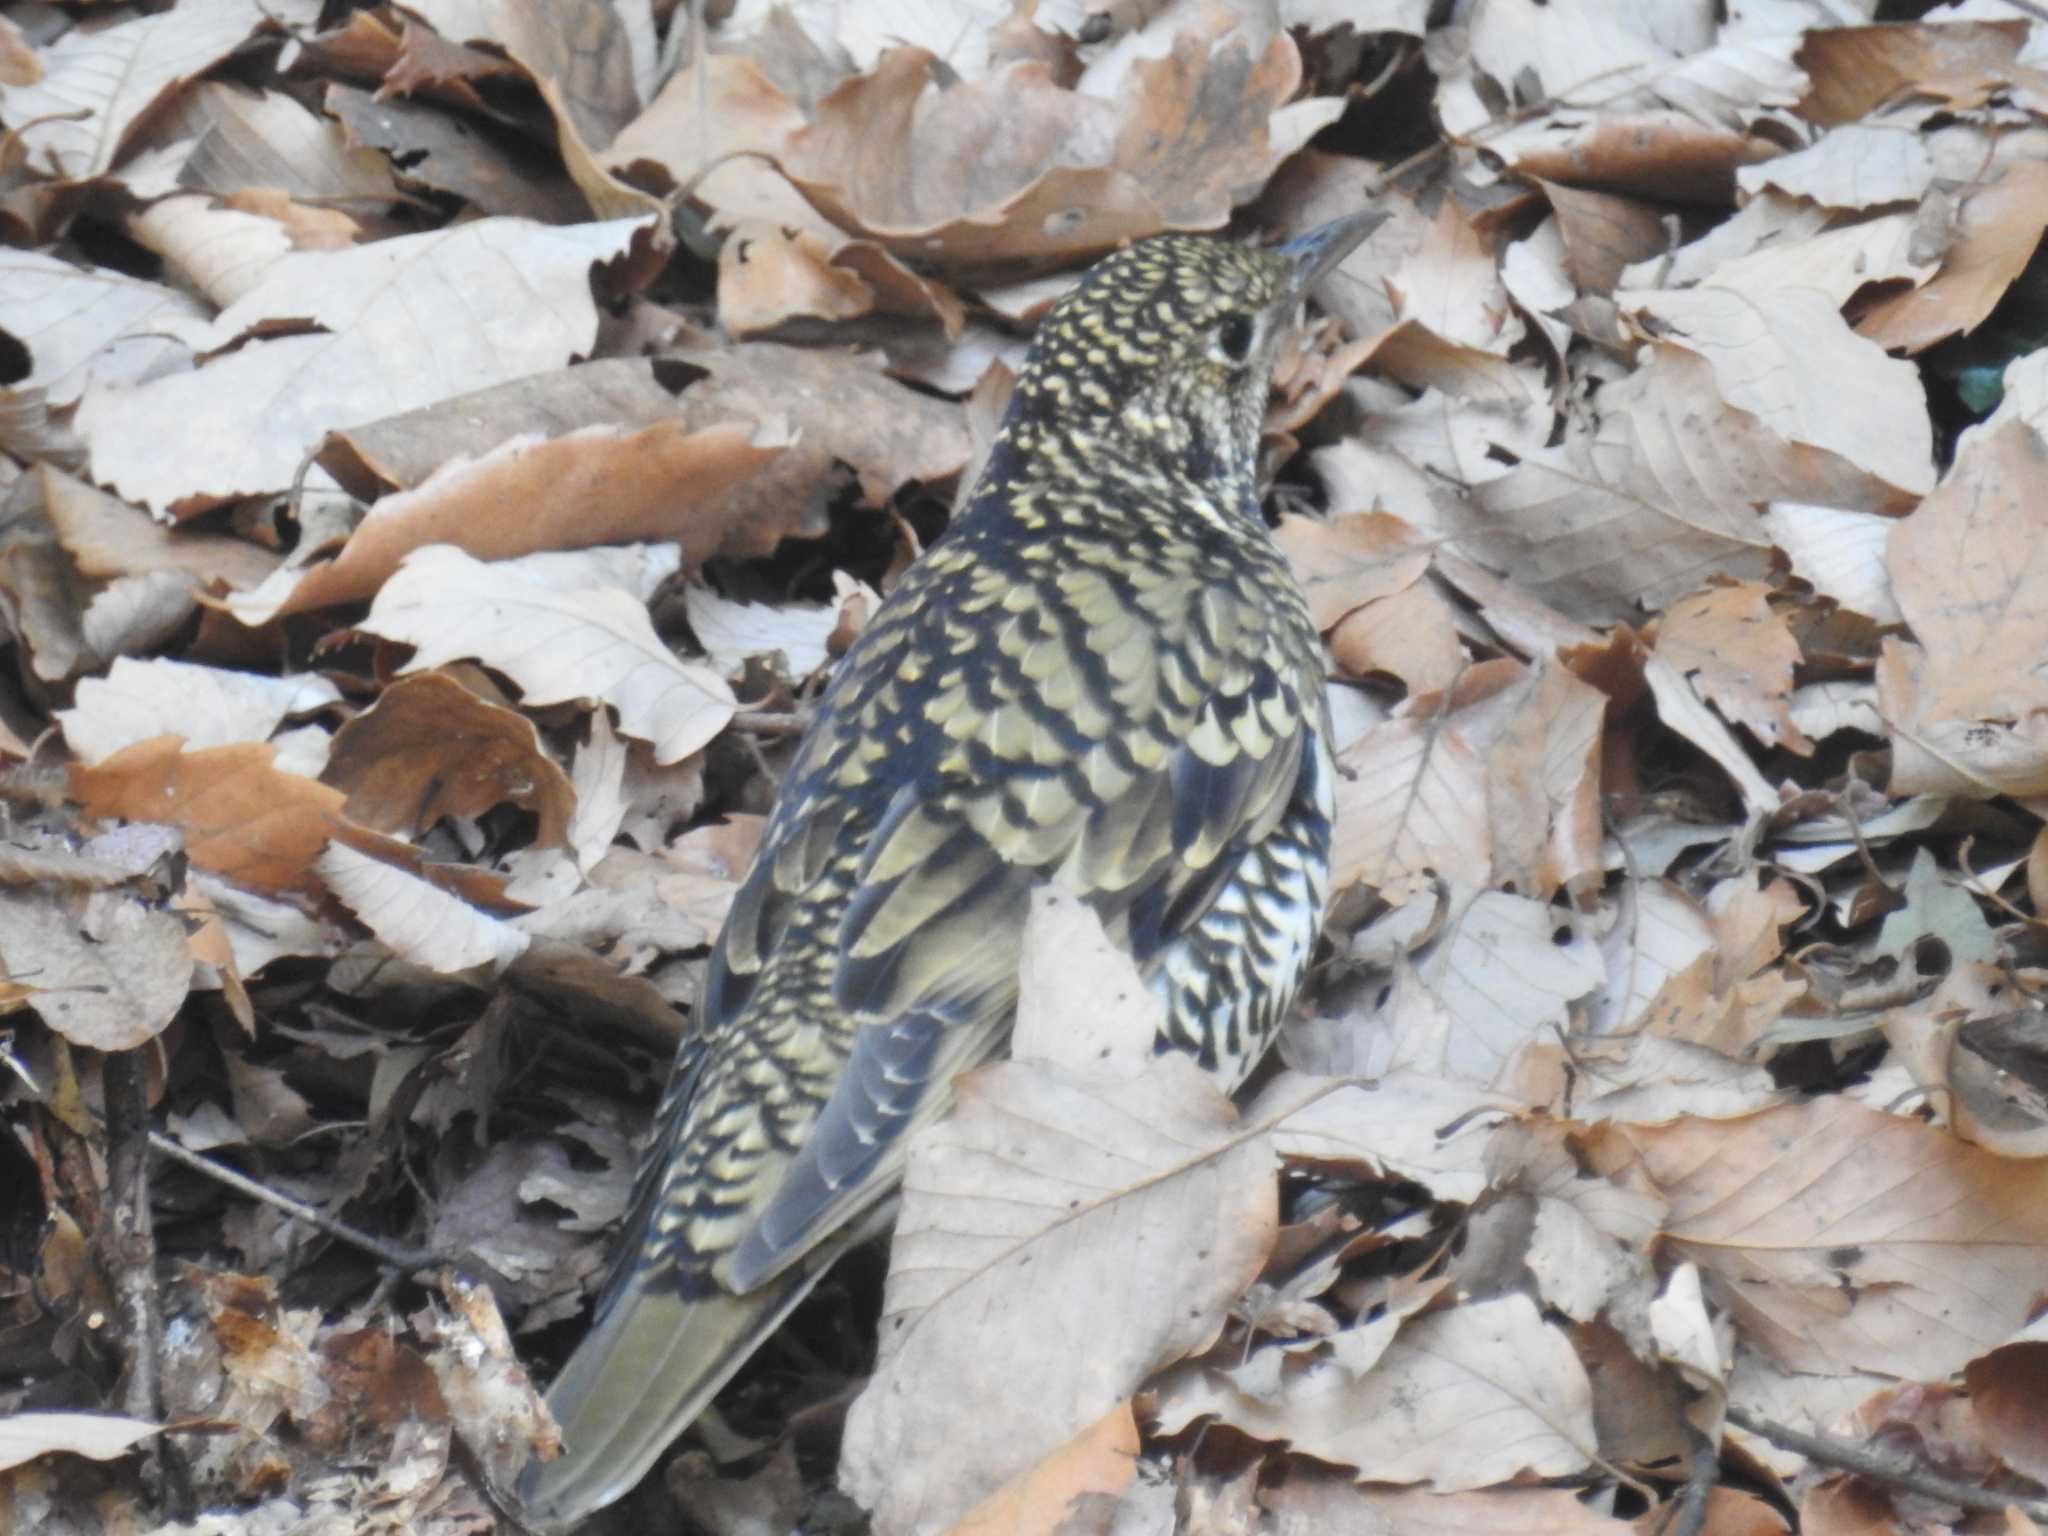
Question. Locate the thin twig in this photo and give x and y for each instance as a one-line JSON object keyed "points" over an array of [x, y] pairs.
{"points": [[407, 1259], [1879, 1467], [128, 1238], [773, 722]]}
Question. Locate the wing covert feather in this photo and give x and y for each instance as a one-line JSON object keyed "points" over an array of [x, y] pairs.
{"points": [[1129, 736]]}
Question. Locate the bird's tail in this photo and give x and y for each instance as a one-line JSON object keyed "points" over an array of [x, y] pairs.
{"points": [[649, 1366]]}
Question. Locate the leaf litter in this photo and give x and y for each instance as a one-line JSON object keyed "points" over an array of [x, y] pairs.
{"points": [[444, 450]]}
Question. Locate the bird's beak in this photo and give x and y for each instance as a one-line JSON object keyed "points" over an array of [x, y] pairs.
{"points": [[1316, 252]]}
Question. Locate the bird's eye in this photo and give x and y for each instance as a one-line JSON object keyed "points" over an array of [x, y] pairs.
{"points": [[1234, 338]]}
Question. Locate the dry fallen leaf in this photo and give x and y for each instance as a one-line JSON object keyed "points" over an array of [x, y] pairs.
{"points": [[1840, 1237], [102, 1436], [432, 747], [1461, 1398], [1118, 1215], [560, 634], [240, 423]]}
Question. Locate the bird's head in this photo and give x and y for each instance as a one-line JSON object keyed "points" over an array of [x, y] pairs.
{"points": [[1166, 348]]}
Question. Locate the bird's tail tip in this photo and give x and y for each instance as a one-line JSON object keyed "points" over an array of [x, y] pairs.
{"points": [[650, 1365]]}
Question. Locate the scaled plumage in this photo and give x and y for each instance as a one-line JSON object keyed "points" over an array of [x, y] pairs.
{"points": [[1103, 675]]}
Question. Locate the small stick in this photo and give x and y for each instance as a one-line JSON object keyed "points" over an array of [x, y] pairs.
{"points": [[1882, 1468], [388, 1254], [128, 1248], [773, 722], [128, 1238]]}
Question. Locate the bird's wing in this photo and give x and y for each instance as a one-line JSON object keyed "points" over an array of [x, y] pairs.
{"points": [[1137, 789]]}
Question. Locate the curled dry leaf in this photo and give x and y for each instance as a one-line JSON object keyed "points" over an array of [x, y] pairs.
{"points": [[599, 485], [107, 539], [733, 633], [1345, 562], [2006, 1399], [431, 747], [2001, 225], [1015, 167], [102, 1436], [415, 920], [435, 149], [1411, 637], [99, 81], [270, 140], [558, 642], [1854, 70]]}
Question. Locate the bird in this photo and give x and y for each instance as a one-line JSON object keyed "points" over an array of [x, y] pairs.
{"points": [[1103, 676]]}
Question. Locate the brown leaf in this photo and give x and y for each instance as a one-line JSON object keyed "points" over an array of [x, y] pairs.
{"points": [[437, 149], [1101, 1460], [107, 537], [432, 748], [2009, 1397], [1412, 636], [242, 816], [1345, 562], [2001, 224], [1739, 654], [1604, 234], [1852, 71], [1843, 1239], [1013, 167], [596, 486], [1967, 706]]}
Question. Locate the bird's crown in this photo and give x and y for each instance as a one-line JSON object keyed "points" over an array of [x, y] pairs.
{"points": [[1178, 303]]}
